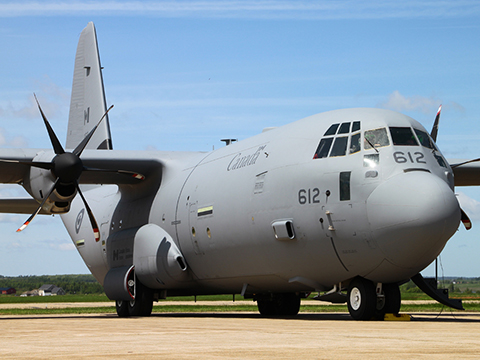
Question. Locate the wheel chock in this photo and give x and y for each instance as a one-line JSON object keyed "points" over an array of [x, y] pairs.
{"points": [[397, 317]]}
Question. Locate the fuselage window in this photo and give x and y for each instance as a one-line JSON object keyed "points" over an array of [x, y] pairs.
{"points": [[332, 130], [371, 160], [424, 139], [345, 186], [355, 144], [377, 138], [403, 136], [344, 128], [339, 146], [356, 126], [323, 148]]}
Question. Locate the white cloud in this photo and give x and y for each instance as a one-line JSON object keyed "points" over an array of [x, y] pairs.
{"points": [[426, 105], [399, 102], [15, 142], [52, 98], [272, 9]]}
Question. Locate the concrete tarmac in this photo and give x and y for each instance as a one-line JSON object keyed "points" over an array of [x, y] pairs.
{"points": [[239, 336]]}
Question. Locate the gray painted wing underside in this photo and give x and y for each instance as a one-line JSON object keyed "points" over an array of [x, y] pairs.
{"points": [[145, 163], [467, 174]]}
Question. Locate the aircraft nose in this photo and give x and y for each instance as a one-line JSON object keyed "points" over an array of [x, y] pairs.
{"points": [[412, 216]]}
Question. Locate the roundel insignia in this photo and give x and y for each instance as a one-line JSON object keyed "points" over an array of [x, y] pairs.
{"points": [[78, 222]]}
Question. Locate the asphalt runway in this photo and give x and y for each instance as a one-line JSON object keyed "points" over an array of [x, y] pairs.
{"points": [[239, 336]]}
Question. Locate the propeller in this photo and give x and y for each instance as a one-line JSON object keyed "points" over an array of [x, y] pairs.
{"points": [[67, 167], [464, 217]]}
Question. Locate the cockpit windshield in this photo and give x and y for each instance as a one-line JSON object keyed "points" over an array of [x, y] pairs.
{"points": [[403, 136], [425, 139], [376, 138]]}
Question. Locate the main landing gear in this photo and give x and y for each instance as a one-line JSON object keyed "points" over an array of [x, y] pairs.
{"points": [[367, 301], [279, 304], [142, 304]]}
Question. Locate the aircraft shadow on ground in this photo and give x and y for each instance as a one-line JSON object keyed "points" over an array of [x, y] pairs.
{"points": [[418, 317]]}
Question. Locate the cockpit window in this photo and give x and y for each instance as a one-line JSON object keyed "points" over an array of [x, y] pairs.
{"points": [[344, 128], [424, 139], [355, 144], [356, 126], [403, 136], [337, 140], [377, 138], [371, 160], [323, 148], [339, 146], [331, 130]]}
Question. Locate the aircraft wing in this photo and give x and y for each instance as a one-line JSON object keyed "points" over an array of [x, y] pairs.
{"points": [[14, 173], [140, 169], [466, 173]]}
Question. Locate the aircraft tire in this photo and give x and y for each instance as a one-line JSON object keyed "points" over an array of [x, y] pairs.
{"points": [[143, 303], [393, 298], [288, 304], [122, 308], [280, 305], [361, 299], [391, 302], [266, 307]]}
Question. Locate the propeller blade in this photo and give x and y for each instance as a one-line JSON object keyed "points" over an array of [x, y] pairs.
{"points": [[83, 144], [133, 174], [434, 132], [38, 164], [57, 147], [29, 220], [93, 222], [466, 220]]}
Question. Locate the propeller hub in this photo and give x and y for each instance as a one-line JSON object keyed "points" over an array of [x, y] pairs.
{"points": [[67, 167]]}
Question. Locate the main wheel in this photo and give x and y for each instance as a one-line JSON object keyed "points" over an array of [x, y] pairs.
{"points": [[288, 304], [266, 307], [280, 305], [143, 303], [361, 299], [393, 298], [122, 308]]}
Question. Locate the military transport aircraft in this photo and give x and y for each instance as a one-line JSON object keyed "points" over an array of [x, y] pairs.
{"points": [[348, 203]]}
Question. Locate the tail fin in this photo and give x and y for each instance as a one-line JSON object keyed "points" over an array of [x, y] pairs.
{"points": [[88, 104]]}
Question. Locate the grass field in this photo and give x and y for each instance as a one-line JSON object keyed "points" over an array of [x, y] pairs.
{"points": [[40, 306]]}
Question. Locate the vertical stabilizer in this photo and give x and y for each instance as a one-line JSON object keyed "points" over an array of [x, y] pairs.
{"points": [[88, 104]]}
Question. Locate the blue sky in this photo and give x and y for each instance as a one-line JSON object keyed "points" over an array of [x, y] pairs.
{"points": [[184, 74]]}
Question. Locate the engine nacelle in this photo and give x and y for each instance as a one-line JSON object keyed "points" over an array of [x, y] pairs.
{"points": [[41, 181], [159, 264]]}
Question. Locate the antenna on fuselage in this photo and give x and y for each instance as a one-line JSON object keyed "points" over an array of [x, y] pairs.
{"points": [[228, 141]]}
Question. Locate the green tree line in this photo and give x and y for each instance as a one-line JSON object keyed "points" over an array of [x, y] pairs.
{"points": [[72, 284]]}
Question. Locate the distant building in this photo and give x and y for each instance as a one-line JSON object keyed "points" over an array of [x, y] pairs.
{"points": [[48, 290], [7, 291], [33, 292]]}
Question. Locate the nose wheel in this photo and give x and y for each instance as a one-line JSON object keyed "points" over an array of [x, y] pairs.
{"points": [[361, 299], [365, 304]]}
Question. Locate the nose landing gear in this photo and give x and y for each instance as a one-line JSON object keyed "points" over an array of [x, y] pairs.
{"points": [[366, 302]]}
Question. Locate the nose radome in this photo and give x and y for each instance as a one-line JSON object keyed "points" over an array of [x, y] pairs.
{"points": [[412, 216]]}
